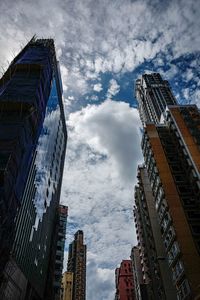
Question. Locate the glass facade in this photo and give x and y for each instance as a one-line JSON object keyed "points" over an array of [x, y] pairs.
{"points": [[36, 218]]}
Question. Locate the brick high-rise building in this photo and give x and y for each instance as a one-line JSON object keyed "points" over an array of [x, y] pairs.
{"points": [[124, 281], [169, 214], [77, 265], [33, 139]]}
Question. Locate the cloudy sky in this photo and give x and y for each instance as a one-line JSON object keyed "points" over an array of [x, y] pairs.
{"points": [[103, 46]]}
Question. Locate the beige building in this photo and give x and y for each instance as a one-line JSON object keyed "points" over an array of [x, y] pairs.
{"points": [[67, 286]]}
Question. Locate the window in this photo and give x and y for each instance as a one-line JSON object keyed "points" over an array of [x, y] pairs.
{"points": [[196, 229], [173, 252], [159, 196], [169, 237], [156, 184], [58, 266], [184, 290], [162, 209], [36, 262], [165, 222], [178, 270]]}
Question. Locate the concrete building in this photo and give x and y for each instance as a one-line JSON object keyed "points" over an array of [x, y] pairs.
{"points": [[172, 158], [150, 243], [167, 210], [77, 265], [153, 95], [33, 139], [140, 282], [124, 281], [67, 286]]}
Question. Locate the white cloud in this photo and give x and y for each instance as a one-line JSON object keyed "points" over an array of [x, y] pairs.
{"points": [[186, 93], [71, 97], [114, 88], [101, 280], [94, 98], [98, 87], [102, 157], [108, 128], [64, 74], [189, 74], [98, 37], [92, 38], [170, 73], [195, 97]]}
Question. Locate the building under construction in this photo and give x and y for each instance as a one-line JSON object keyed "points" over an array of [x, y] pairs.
{"points": [[32, 150]]}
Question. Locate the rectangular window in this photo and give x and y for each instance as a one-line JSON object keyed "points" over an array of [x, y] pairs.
{"points": [[159, 197], [169, 237], [162, 209], [184, 290], [178, 270], [173, 252], [165, 222]]}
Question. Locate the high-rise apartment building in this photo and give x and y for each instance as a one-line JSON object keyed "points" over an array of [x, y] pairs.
{"points": [[32, 150], [124, 281], [169, 213], [141, 283], [77, 265], [150, 243], [172, 158], [153, 95], [67, 286]]}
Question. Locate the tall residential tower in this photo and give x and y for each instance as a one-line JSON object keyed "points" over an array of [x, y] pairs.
{"points": [[153, 95], [167, 206], [77, 265]]}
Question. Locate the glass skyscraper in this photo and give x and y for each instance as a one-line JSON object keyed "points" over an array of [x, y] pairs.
{"points": [[32, 150]]}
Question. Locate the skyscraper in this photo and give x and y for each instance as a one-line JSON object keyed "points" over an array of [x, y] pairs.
{"points": [[172, 171], [32, 150], [153, 95], [77, 265], [124, 281]]}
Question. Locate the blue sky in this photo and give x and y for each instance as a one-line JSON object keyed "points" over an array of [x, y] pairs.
{"points": [[103, 46]]}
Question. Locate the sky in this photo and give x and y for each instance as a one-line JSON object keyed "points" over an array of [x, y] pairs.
{"points": [[103, 47]]}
